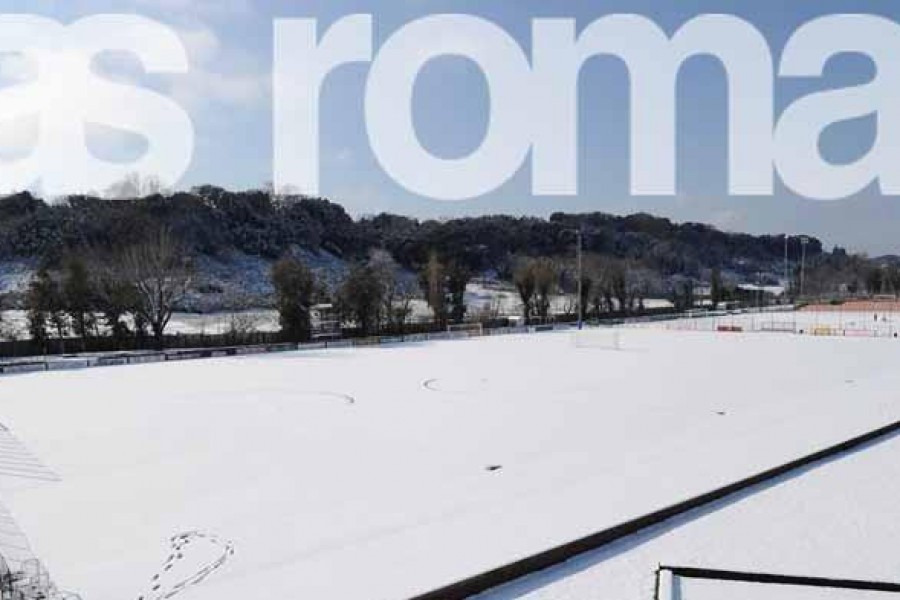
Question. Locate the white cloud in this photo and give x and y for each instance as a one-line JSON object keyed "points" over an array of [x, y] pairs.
{"points": [[15, 68], [17, 137], [198, 8], [222, 79], [203, 45], [219, 74], [201, 87]]}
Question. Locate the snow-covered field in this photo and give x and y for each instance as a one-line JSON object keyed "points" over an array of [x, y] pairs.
{"points": [[385, 472], [839, 520]]}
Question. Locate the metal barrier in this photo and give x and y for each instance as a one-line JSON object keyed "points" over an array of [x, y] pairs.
{"points": [[143, 357], [772, 579]]}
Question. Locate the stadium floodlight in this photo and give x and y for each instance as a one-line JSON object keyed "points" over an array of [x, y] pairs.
{"points": [[579, 253]]}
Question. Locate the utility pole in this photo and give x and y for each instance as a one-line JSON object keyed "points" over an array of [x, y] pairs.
{"points": [[579, 253], [804, 240], [787, 280], [759, 291], [580, 278]]}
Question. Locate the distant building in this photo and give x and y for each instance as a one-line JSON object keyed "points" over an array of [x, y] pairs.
{"points": [[749, 293], [325, 321]]}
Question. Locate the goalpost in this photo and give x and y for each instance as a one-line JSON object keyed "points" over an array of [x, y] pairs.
{"points": [[604, 338], [465, 329]]}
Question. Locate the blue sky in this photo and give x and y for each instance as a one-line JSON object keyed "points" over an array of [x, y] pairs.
{"points": [[228, 95]]}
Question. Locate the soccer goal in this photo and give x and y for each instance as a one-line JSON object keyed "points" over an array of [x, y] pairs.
{"points": [[465, 329], [606, 338]]}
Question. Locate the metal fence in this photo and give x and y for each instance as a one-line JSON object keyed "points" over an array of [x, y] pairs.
{"points": [[83, 361], [770, 579], [198, 346]]}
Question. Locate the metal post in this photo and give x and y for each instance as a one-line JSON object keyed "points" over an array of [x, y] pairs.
{"points": [[580, 280], [803, 242], [759, 292], [787, 280]]}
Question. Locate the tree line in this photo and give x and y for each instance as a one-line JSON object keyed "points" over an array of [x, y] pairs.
{"points": [[128, 293], [212, 221], [102, 275]]}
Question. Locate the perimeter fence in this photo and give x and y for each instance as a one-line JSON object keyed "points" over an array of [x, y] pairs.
{"points": [[765, 578], [192, 347]]}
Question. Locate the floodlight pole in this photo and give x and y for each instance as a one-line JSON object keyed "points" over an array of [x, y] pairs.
{"points": [[759, 292], [787, 281], [579, 250], [804, 240], [580, 279]]}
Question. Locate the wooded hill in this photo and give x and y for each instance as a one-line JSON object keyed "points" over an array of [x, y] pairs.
{"points": [[214, 222]]}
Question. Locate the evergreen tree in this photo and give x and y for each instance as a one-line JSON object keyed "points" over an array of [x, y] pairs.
{"points": [[458, 277], [294, 287], [79, 298], [39, 301], [361, 298]]}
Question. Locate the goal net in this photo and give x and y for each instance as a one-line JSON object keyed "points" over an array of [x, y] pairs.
{"points": [[602, 339], [465, 329], [29, 581]]}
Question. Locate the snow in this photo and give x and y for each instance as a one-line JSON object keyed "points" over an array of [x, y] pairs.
{"points": [[337, 474], [775, 290], [715, 590], [222, 322], [503, 300], [830, 322], [838, 520], [262, 320], [15, 275]]}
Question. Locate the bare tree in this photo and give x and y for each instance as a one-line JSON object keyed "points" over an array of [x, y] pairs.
{"points": [[545, 282], [523, 277], [8, 330], [604, 277], [243, 321], [640, 282], [398, 290], [135, 185], [568, 286], [114, 296], [160, 274], [536, 281], [433, 280]]}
